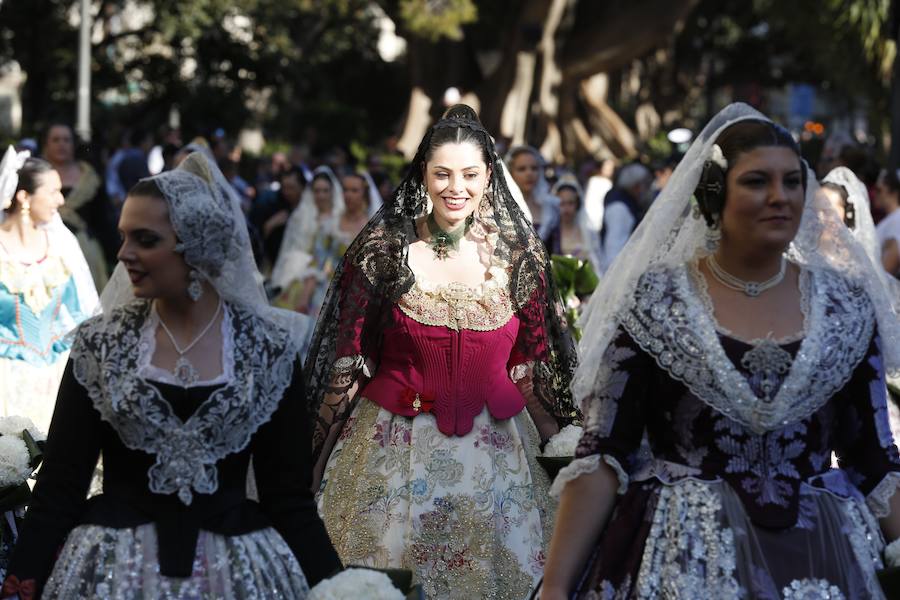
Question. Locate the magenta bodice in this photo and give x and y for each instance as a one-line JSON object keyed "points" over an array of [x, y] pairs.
{"points": [[451, 373]]}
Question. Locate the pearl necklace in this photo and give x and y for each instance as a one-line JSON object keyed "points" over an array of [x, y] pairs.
{"points": [[750, 288], [185, 372]]}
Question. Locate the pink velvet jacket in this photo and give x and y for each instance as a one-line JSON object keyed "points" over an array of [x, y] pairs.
{"points": [[450, 350]]}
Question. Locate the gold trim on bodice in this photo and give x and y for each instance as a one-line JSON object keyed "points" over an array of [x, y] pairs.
{"points": [[458, 306], [37, 282]]}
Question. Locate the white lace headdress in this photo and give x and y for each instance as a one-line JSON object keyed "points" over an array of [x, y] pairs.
{"points": [[212, 236], [669, 236], [858, 196], [300, 231]]}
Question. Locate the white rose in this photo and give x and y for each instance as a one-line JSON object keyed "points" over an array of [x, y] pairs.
{"points": [[717, 156], [564, 442], [15, 425], [356, 583], [14, 467]]}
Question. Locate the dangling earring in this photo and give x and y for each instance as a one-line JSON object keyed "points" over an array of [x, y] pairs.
{"points": [[195, 287], [26, 212], [713, 235]]}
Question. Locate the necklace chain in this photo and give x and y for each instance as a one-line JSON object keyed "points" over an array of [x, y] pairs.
{"points": [[185, 371], [750, 288]]}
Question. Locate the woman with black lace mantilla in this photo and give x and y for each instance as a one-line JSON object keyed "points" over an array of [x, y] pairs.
{"points": [[439, 363], [726, 355], [186, 375]]}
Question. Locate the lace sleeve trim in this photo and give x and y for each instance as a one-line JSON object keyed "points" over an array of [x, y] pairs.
{"points": [[585, 466], [879, 499], [350, 366], [521, 371]]}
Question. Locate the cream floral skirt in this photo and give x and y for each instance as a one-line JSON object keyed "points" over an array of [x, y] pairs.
{"points": [[30, 391], [469, 516], [101, 562]]}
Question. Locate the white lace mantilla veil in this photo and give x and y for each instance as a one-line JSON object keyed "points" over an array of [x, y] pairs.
{"points": [[864, 227], [59, 236], [375, 200], [206, 214], [300, 231], [669, 236], [549, 203], [589, 236]]}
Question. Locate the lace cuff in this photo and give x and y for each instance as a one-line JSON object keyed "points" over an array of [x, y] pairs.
{"points": [[525, 369], [584, 466], [521, 371], [350, 365], [879, 499]]}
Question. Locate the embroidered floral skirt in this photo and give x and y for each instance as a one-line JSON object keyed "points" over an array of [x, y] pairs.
{"points": [[469, 516], [692, 539], [101, 562], [30, 391]]}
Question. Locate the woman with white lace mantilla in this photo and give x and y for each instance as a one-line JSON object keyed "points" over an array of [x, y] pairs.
{"points": [[726, 355], [186, 376], [440, 362]]}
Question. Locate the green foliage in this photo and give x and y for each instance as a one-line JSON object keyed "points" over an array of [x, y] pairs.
{"points": [[574, 278], [289, 66], [436, 19]]}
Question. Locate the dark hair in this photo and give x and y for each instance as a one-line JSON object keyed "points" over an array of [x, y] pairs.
{"points": [[520, 150], [849, 212], [459, 124], [322, 177], [359, 176], [891, 180], [570, 186], [46, 133], [31, 171], [737, 139], [146, 187], [293, 171]]}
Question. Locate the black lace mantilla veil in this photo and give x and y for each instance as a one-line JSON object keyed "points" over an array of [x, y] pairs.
{"points": [[374, 274]]}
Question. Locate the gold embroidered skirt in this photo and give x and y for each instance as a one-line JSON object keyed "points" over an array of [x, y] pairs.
{"points": [[469, 516]]}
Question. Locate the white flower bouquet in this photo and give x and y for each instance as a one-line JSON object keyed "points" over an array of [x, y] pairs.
{"points": [[356, 583], [564, 442], [560, 449], [20, 454]]}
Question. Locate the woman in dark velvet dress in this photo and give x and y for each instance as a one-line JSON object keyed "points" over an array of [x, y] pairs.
{"points": [[185, 378], [727, 355]]}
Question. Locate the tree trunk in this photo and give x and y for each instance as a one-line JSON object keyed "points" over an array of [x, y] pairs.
{"points": [[894, 157]]}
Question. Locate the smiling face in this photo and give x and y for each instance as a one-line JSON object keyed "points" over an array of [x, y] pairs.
{"points": [[455, 177], [525, 171], [148, 249], [44, 203], [764, 200]]}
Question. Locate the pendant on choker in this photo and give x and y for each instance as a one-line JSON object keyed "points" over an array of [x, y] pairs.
{"points": [[443, 242]]}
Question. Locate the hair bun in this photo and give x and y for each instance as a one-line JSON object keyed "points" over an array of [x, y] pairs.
{"points": [[461, 111]]}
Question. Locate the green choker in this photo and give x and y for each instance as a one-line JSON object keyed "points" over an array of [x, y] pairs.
{"points": [[443, 242]]}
